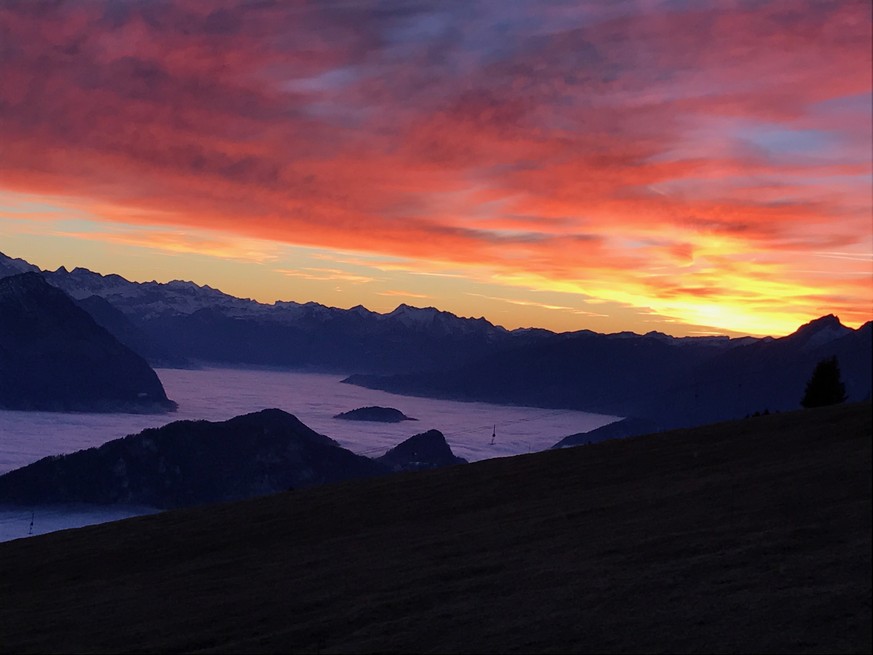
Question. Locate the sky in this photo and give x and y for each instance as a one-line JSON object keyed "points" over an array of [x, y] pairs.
{"points": [[693, 167]]}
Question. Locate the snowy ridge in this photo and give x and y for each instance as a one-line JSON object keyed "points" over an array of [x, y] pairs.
{"points": [[146, 301], [10, 266]]}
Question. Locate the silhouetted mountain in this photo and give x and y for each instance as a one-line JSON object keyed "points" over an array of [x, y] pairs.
{"points": [[378, 414], [190, 463], [769, 375], [185, 321], [315, 337], [583, 370], [671, 382], [427, 450], [54, 357]]}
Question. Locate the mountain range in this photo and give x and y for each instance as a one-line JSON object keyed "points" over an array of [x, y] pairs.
{"points": [[663, 380], [651, 378], [179, 323]]}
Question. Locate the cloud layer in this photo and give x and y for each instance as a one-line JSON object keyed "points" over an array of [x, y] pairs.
{"points": [[704, 160]]}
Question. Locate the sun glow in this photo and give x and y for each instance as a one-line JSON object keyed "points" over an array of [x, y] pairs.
{"points": [[705, 166]]}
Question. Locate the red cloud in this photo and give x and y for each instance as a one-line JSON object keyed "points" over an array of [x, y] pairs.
{"points": [[428, 132]]}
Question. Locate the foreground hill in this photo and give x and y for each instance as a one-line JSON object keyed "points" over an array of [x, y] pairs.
{"points": [[54, 357], [750, 536]]}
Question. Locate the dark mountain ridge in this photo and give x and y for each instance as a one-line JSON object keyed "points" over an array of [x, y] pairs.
{"points": [[191, 463], [583, 370], [179, 322], [54, 356], [188, 463], [199, 323], [424, 351], [766, 375], [652, 379]]}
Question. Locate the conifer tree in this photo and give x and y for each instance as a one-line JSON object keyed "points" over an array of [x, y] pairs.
{"points": [[825, 386]]}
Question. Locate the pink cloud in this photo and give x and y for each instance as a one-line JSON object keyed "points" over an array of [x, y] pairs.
{"points": [[427, 132]]}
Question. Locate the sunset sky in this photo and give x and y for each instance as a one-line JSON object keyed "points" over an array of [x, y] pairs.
{"points": [[691, 167]]}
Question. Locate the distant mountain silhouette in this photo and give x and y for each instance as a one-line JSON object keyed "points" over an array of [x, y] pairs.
{"points": [[424, 351], [377, 414], [54, 357], [422, 451], [768, 375], [612, 374], [182, 322], [191, 462], [670, 382]]}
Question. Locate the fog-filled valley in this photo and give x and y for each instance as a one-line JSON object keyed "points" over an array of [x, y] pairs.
{"points": [[221, 393]]}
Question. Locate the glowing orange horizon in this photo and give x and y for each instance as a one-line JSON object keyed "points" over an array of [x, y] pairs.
{"points": [[702, 168]]}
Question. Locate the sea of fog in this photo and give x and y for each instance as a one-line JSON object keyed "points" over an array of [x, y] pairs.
{"points": [[217, 394]]}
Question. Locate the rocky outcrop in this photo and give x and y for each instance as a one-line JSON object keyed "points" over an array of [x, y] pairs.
{"points": [[427, 450], [190, 463], [55, 357], [374, 413]]}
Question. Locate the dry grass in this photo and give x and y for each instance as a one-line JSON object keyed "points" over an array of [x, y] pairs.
{"points": [[751, 536]]}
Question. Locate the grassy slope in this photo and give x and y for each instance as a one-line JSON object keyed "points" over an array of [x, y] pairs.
{"points": [[746, 536]]}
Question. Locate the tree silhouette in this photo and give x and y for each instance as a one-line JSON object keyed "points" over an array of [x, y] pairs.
{"points": [[825, 386]]}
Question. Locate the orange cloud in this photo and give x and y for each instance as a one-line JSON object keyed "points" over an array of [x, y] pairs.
{"points": [[404, 294], [176, 242], [691, 161], [325, 274]]}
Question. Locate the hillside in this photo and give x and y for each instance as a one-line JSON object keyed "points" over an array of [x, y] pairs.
{"points": [[750, 536]]}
